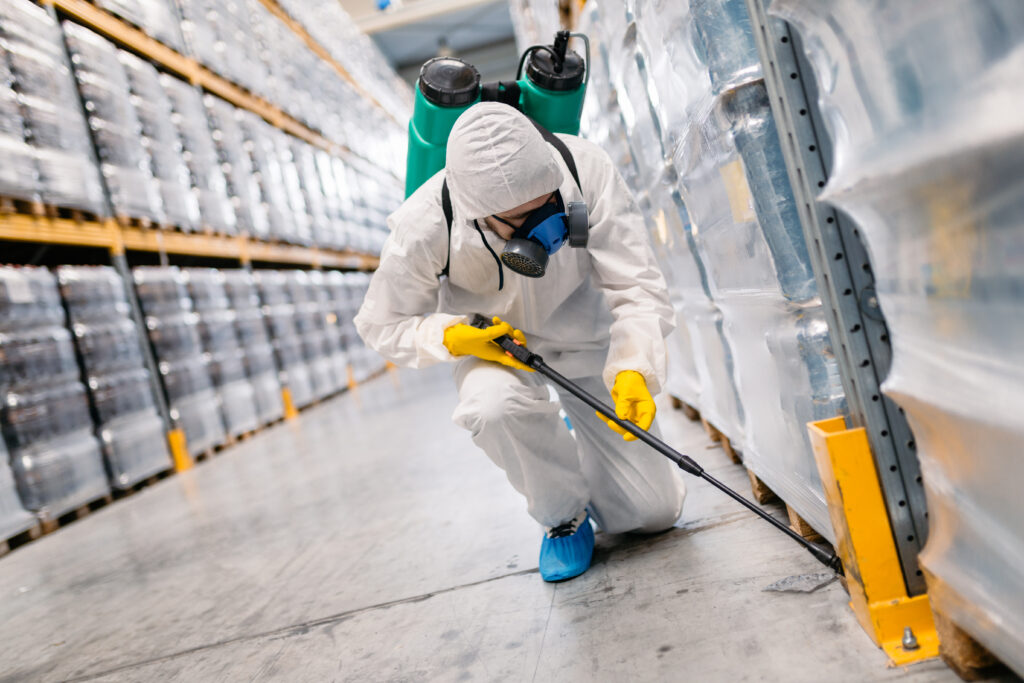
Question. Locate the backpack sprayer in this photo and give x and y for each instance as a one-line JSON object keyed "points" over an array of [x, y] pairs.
{"points": [[684, 462], [551, 81]]}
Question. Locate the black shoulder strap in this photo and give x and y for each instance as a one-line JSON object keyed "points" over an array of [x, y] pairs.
{"points": [[557, 143], [446, 206], [446, 199]]}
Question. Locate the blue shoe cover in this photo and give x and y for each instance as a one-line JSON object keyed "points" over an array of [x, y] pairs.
{"points": [[565, 555]]}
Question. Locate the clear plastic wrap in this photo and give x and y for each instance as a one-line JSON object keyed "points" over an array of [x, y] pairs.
{"points": [[312, 192], [922, 106], [44, 415], [280, 314], [162, 142], [129, 427], [218, 333], [333, 28], [243, 187], [301, 230], [330, 326], [116, 130], [14, 518], [258, 353], [200, 155], [268, 174], [364, 361], [156, 18], [54, 123], [18, 175], [61, 474], [702, 154], [184, 367]]}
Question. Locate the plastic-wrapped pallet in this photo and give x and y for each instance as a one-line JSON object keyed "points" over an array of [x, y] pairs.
{"points": [[238, 168], [199, 34], [128, 424], [927, 160], [156, 18], [279, 314], [174, 334], [14, 518], [268, 174], [162, 142], [116, 130], [257, 351], [301, 231], [208, 182], [335, 200], [332, 27], [749, 297], [55, 457], [217, 329], [53, 119], [311, 326], [320, 288], [364, 361], [19, 178], [312, 191], [668, 220]]}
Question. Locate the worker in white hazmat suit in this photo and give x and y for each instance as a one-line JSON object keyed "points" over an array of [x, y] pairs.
{"points": [[598, 315]]}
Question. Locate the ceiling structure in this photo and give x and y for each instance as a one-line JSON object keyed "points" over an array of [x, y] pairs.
{"points": [[479, 31]]}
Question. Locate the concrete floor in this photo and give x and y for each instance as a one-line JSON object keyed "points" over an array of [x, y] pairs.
{"points": [[369, 541]]}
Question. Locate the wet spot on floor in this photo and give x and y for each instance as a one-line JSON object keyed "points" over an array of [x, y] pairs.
{"points": [[450, 635]]}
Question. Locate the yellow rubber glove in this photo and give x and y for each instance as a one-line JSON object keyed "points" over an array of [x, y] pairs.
{"points": [[633, 402], [466, 340]]}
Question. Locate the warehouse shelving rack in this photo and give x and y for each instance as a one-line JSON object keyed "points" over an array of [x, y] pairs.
{"points": [[77, 234]]}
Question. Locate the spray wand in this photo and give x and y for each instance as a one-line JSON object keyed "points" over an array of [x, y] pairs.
{"points": [[684, 462]]}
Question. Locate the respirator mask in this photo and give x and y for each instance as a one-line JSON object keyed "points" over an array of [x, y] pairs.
{"points": [[542, 233]]}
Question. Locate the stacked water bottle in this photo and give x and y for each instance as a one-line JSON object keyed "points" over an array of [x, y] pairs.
{"points": [[173, 329], [120, 386], [311, 326], [115, 126], [45, 418], [279, 313], [37, 72], [256, 350], [218, 331]]}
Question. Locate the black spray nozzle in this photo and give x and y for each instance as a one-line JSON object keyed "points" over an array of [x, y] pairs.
{"points": [[560, 47]]}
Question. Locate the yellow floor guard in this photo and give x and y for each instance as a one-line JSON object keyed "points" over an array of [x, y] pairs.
{"points": [[878, 593]]}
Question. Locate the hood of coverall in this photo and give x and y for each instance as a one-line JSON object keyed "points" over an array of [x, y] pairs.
{"points": [[496, 161]]}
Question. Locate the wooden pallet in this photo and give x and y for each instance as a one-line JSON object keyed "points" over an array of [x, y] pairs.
{"points": [[30, 207], [727, 446], [19, 539], [53, 524], [799, 525], [144, 483], [969, 659], [34, 207], [140, 222], [761, 492], [711, 430], [76, 215], [691, 413]]}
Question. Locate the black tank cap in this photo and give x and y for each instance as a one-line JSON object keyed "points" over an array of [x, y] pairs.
{"points": [[449, 81], [541, 70]]}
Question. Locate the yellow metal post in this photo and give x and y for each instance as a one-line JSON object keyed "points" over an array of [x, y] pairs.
{"points": [[290, 412], [179, 450], [878, 594]]}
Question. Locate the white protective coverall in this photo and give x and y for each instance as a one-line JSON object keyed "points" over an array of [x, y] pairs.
{"points": [[597, 311]]}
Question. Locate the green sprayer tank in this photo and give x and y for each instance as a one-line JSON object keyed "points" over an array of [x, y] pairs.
{"points": [[550, 92]]}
